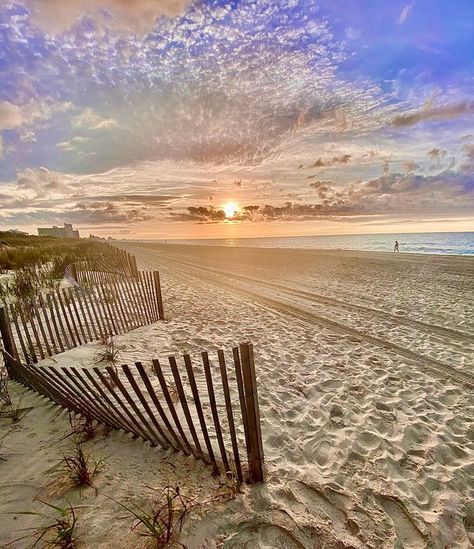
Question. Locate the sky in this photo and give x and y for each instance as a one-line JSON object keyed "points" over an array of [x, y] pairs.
{"points": [[144, 119]]}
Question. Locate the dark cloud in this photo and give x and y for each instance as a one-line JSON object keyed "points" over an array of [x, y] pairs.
{"points": [[334, 161], [436, 154], [434, 113], [410, 166], [322, 188], [149, 200], [98, 212]]}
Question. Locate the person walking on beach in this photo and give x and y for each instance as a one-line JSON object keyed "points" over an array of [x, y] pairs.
{"points": [[397, 247]]}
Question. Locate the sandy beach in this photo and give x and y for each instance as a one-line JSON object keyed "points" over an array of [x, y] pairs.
{"points": [[364, 364]]}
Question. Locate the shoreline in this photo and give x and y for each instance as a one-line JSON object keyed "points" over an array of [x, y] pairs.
{"points": [[318, 250]]}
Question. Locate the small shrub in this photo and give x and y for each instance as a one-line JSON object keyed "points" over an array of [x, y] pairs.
{"points": [[58, 534], [164, 517], [14, 411], [78, 468], [108, 353], [83, 427]]}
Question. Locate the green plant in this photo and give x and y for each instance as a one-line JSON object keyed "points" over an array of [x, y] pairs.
{"points": [[164, 517], [14, 411], [58, 534], [83, 427], [78, 468], [108, 353]]}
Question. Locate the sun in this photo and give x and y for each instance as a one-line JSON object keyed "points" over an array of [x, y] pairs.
{"points": [[230, 209]]}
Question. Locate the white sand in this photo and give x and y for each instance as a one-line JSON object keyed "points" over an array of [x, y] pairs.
{"points": [[364, 364]]}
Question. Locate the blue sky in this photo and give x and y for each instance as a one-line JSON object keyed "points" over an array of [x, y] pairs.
{"points": [[144, 118]]}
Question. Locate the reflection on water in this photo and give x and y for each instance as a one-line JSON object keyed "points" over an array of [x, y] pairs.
{"points": [[427, 243]]}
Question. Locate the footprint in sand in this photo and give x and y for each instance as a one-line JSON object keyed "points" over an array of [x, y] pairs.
{"points": [[264, 535], [336, 416], [408, 534]]}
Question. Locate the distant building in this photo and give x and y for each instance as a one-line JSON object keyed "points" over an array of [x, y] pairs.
{"points": [[94, 237], [60, 232]]}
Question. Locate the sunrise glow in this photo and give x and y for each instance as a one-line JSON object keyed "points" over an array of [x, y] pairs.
{"points": [[230, 209]]}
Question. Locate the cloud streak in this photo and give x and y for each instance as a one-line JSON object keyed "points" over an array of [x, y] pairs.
{"points": [[441, 112]]}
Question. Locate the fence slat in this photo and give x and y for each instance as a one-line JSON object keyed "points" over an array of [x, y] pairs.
{"points": [[89, 301], [66, 318], [159, 299], [60, 320], [70, 303], [49, 302], [136, 427], [7, 335], [91, 404], [151, 435], [161, 412], [184, 406], [213, 404], [27, 333], [48, 323], [255, 450], [122, 420], [84, 307], [34, 329], [18, 332], [95, 396], [164, 388], [198, 406], [41, 327], [230, 415], [146, 406]]}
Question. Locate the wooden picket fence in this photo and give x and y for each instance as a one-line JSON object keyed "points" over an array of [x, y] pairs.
{"points": [[112, 262], [68, 317], [194, 410]]}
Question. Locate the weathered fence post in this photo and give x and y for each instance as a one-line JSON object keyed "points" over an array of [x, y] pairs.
{"points": [[254, 445], [7, 338], [159, 299]]}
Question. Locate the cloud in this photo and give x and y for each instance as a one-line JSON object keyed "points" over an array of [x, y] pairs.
{"points": [[468, 150], [200, 214], [434, 113], [42, 182], [97, 212], [14, 116], [323, 188], [410, 166], [405, 13], [90, 120], [10, 116], [139, 16], [436, 154], [334, 161]]}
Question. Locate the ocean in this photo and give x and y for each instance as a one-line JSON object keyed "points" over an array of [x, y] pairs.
{"points": [[420, 243]]}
